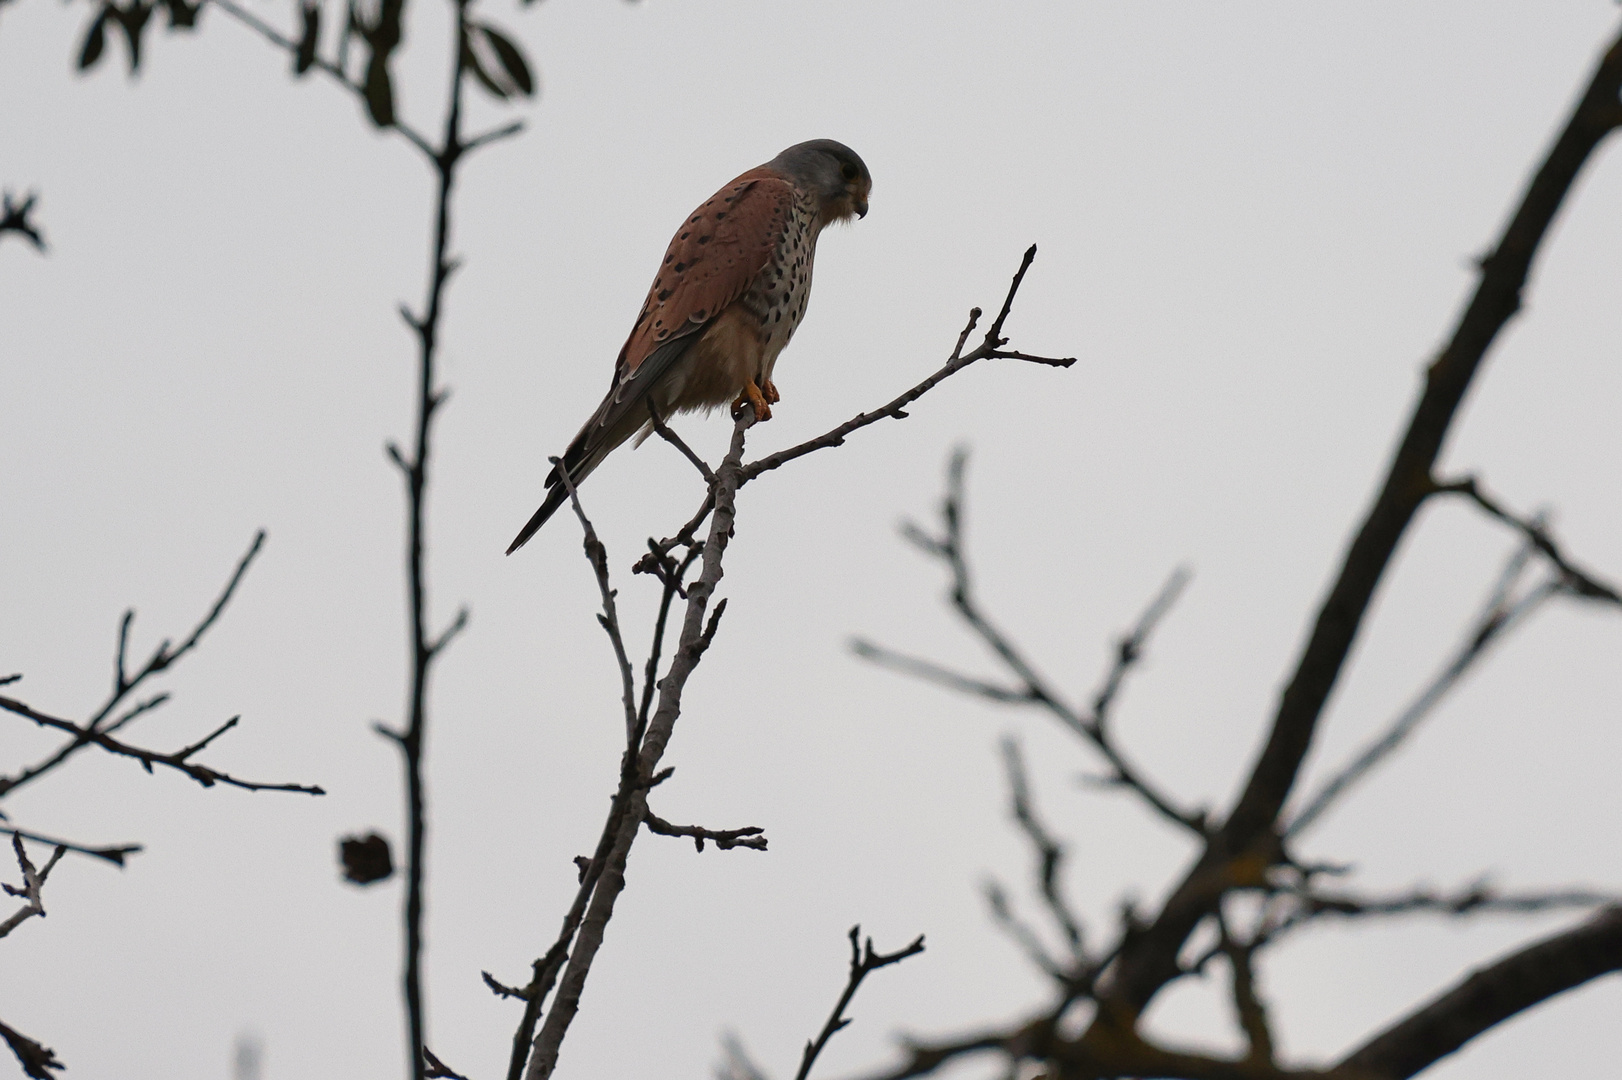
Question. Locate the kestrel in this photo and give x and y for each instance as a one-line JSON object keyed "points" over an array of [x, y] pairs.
{"points": [[727, 298]]}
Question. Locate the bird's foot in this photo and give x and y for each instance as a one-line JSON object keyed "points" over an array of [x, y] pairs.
{"points": [[752, 397], [769, 392]]}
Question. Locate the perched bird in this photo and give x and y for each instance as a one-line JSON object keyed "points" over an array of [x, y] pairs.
{"points": [[725, 301]]}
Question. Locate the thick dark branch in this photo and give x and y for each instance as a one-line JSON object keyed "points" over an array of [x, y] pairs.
{"points": [[725, 839], [177, 760], [897, 408], [1150, 960], [863, 960], [1493, 994], [114, 855], [1496, 300]]}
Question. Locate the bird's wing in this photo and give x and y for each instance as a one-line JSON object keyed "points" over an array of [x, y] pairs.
{"points": [[718, 251]]}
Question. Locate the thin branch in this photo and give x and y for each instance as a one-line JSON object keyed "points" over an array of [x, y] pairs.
{"points": [[1498, 616], [1249, 1009], [33, 882], [1024, 935], [896, 409], [1049, 852], [1034, 689], [597, 556], [1579, 581], [114, 855], [931, 672], [863, 961], [326, 67], [177, 760], [675, 440], [1474, 899], [725, 839], [161, 660], [437, 1069], [736, 1063], [505, 131]]}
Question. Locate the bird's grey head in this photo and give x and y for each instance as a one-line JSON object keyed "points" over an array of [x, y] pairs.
{"points": [[833, 173]]}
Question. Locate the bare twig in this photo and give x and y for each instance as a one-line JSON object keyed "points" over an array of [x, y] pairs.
{"points": [[735, 1061], [114, 855], [597, 555], [1031, 687], [675, 440], [1501, 613], [725, 839], [162, 658], [1024, 935], [437, 1069], [1578, 581], [863, 961], [177, 760], [33, 882], [896, 409], [1049, 852]]}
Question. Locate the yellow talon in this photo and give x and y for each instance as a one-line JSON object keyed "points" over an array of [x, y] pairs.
{"points": [[752, 396]]}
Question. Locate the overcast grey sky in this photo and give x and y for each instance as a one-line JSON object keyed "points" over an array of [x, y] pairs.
{"points": [[1256, 222]]}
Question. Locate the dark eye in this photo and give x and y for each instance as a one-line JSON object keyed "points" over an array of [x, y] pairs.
{"points": [[848, 171]]}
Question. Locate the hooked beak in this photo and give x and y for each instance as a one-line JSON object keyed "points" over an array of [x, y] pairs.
{"points": [[860, 206]]}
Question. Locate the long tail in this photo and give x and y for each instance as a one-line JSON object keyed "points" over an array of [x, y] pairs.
{"points": [[594, 443]]}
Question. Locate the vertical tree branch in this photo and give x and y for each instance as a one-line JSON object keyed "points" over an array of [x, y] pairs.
{"points": [[694, 639], [424, 647]]}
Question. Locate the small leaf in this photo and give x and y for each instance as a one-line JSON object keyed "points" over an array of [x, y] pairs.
{"points": [[471, 62], [305, 57], [511, 59], [95, 40]]}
